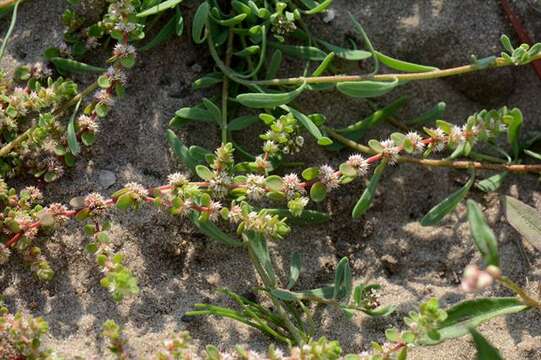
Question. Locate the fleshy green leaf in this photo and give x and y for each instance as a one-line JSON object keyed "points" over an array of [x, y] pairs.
{"points": [[318, 192], [73, 144], [199, 23], [214, 232], [401, 65], [299, 51], [485, 350], [72, 66], [180, 149], [348, 54], [492, 183], [169, 4], [343, 281], [309, 125], [437, 213], [294, 270], [366, 88], [308, 217], [242, 122], [482, 234], [368, 194], [525, 219], [269, 100]]}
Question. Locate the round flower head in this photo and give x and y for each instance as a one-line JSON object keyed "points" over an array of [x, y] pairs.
{"points": [[292, 185], [255, 184], [177, 179], [416, 140], [328, 177], [359, 163], [137, 190], [390, 151]]}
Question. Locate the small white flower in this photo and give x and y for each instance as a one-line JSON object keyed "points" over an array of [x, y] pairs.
{"points": [[177, 179], [137, 190], [416, 141], [214, 210], [235, 214], [291, 185], [328, 177], [390, 151], [103, 96], [359, 163], [255, 185]]}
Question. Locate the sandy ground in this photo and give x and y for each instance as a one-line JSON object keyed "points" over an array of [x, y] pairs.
{"points": [[178, 267]]}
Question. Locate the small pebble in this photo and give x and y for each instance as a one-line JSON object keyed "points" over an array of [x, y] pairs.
{"points": [[106, 178]]}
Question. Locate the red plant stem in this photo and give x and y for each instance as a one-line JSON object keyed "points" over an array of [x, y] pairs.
{"points": [[521, 32]]}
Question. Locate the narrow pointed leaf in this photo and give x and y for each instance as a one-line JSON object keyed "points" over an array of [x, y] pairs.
{"points": [[343, 281], [300, 52], [439, 211], [294, 270], [308, 217], [165, 5], [401, 65], [72, 66], [482, 234], [199, 23], [368, 195], [366, 88], [430, 116], [269, 100], [214, 232], [242, 122], [348, 54], [485, 350], [491, 183], [73, 143], [309, 125]]}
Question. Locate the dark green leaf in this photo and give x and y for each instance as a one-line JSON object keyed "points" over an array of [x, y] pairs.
{"points": [[308, 217], [491, 183], [199, 23], [72, 66], [368, 194], [294, 270], [73, 144], [482, 234], [274, 65], [343, 281], [485, 350], [437, 213], [514, 122], [242, 122]]}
